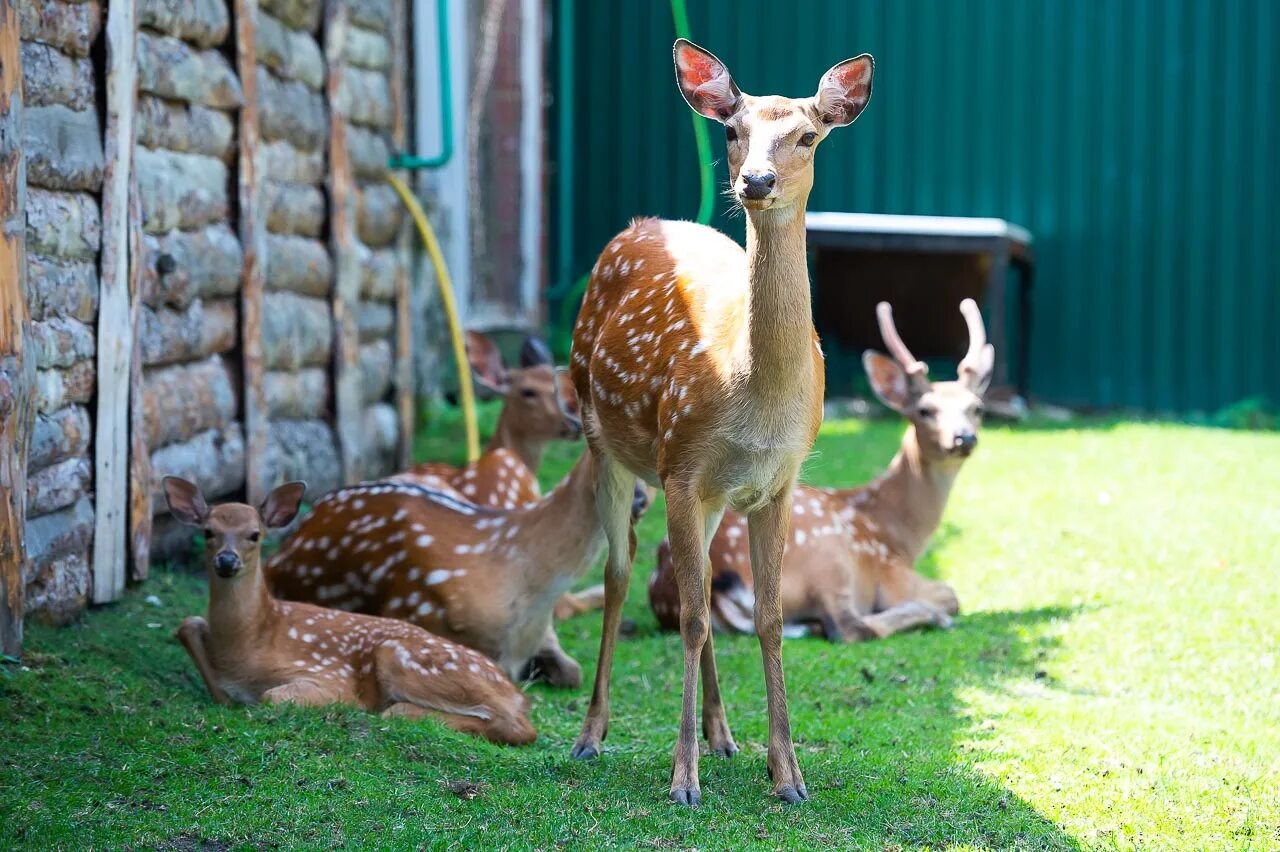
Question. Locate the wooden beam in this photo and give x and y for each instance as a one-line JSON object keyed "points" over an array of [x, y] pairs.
{"points": [[140, 510], [17, 374], [348, 399], [254, 239], [403, 370], [116, 318]]}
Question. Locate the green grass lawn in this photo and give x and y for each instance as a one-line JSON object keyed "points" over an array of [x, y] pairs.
{"points": [[1112, 681]]}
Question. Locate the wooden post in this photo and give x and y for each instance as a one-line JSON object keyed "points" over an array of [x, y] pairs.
{"points": [[115, 314], [139, 451], [17, 373], [403, 369], [348, 397], [253, 238]]}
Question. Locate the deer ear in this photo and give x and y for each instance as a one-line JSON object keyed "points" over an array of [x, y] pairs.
{"points": [[705, 82], [534, 353], [282, 504], [185, 501], [566, 394], [977, 376], [487, 371], [888, 380], [844, 90]]}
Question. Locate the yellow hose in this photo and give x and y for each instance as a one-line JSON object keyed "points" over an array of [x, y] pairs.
{"points": [[450, 312]]}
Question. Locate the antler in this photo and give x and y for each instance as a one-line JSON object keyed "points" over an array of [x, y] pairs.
{"points": [[916, 370], [971, 363]]}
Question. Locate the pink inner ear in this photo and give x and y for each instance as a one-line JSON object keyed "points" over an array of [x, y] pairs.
{"points": [[698, 68]]}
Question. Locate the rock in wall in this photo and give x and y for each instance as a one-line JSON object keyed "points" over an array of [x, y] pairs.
{"points": [[62, 142]]}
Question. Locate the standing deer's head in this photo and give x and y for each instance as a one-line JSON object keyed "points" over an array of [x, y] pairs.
{"points": [[530, 405], [232, 531], [771, 139], [946, 415]]}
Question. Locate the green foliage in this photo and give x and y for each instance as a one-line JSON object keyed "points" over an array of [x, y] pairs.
{"points": [[1112, 681], [1255, 413]]}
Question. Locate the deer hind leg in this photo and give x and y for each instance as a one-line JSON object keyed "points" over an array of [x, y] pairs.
{"points": [[686, 523], [553, 665], [615, 489], [193, 634], [462, 703], [902, 584], [575, 603], [767, 529], [715, 725]]}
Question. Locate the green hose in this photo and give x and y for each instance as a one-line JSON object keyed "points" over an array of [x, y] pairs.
{"points": [[402, 160], [572, 293]]}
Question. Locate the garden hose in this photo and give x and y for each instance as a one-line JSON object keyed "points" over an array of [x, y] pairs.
{"points": [[450, 311]]}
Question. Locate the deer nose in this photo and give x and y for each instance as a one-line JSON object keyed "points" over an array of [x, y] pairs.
{"points": [[226, 563], [964, 442], [757, 185]]}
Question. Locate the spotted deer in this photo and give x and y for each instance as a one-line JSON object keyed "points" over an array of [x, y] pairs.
{"points": [[254, 649], [699, 371], [848, 572], [532, 416], [488, 578]]}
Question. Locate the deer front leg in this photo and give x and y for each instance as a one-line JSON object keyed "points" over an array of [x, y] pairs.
{"points": [[767, 529], [553, 665], [193, 634], [615, 489], [575, 603], [686, 517], [304, 693], [905, 616]]}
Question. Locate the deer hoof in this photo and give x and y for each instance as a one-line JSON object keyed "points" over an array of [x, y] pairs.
{"points": [[792, 795], [688, 796], [585, 751], [728, 749]]}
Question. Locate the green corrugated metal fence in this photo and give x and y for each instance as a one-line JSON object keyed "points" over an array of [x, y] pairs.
{"points": [[1137, 139]]}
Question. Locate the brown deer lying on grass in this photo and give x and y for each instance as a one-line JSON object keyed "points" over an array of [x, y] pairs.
{"points": [[487, 578], [253, 648], [699, 370], [848, 572], [532, 416]]}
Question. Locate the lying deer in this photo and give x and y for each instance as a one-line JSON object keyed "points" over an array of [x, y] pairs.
{"points": [[253, 648], [505, 475], [698, 370], [487, 578], [848, 572]]}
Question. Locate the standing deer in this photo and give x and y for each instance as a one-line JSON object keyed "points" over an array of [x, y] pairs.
{"points": [[849, 568], [253, 648], [699, 370], [532, 416]]}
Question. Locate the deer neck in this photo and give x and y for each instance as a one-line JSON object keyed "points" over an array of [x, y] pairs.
{"points": [[508, 437], [908, 499], [240, 610], [560, 536], [780, 314]]}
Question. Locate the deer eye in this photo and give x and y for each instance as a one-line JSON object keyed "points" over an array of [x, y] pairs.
{"points": [[730, 135], [528, 393], [808, 139], [255, 536], [926, 411]]}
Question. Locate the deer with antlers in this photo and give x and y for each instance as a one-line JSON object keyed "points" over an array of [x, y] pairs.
{"points": [[488, 578], [699, 371], [848, 572], [253, 649], [534, 413]]}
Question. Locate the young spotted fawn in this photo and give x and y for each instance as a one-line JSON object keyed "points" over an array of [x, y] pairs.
{"points": [[253, 648], [698, 370], [487, 578], [532, 416], [849, 568]]}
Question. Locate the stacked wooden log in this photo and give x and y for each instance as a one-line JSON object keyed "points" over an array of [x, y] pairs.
{"points": [[296, 324], [63, 147], [192, 258]]}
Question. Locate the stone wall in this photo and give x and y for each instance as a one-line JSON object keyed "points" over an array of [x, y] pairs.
{"points": [[62, 142]]}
